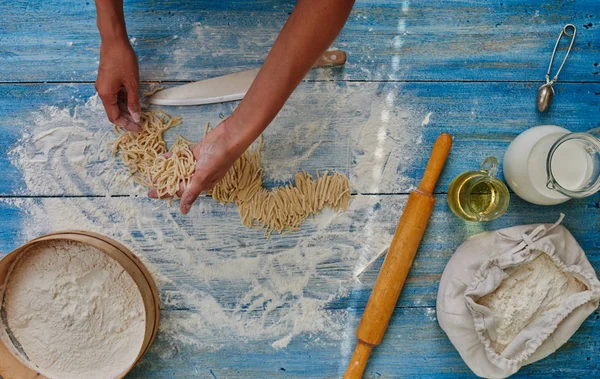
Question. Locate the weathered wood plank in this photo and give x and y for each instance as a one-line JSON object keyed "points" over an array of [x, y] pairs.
{"points": [[182, 351], [218, 318], [414, 347], [377, 133], [403, 40], [227, 292], [183, 250]]}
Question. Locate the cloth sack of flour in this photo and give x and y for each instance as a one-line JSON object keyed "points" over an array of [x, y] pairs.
{"points": [[512, 297]]}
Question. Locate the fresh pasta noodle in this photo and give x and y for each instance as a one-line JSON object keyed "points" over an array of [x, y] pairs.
{"points": [[281, 209], [144, 153], [153, 89]]}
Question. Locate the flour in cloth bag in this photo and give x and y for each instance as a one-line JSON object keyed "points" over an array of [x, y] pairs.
{"points": [[511, 297], [73, 311], [528, 292]]}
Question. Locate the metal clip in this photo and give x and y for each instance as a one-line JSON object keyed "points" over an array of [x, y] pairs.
{"points": [[546, 92]]}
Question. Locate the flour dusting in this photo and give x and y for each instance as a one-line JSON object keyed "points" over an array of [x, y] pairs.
{"points": [[426, 120], [219, 281], [369, 134], [73, 312], [529, 291], [383, 144], [67, 151], [190, 49]]}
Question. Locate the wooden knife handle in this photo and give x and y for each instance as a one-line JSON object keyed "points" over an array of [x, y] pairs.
{"points": [[331, 58]]}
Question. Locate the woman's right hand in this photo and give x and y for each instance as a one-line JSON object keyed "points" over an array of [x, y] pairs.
{"points": [[117, 84], [214, 155]]}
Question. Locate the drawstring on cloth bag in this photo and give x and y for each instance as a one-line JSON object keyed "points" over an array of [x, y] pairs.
{"points": [[488, 274]]}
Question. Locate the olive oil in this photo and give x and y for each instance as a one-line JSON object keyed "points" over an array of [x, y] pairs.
{"points": [[478, 195]]}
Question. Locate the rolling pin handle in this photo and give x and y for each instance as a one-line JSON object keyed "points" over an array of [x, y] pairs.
{"points": [[440, 152], [358, 362]]}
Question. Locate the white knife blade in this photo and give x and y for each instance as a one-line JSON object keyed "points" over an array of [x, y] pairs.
{"points": [[215, 90], [228, 87]]}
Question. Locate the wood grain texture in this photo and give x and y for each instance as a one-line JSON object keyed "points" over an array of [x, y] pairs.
{"points": [[414, 69], [212, 222], [414, 347], [404, 40], [429, 353], [365, 130]]}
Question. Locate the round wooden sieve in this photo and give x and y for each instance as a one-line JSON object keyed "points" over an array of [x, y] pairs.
{"points": [[12, 367]]}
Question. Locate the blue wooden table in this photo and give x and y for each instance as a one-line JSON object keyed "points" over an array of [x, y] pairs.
{"points": [[238, 305]]}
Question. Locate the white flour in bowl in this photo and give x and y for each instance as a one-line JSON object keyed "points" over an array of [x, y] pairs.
{"points": [[73, 311]]}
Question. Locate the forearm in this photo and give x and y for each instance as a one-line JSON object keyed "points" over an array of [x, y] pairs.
{"points": [[111, 20], [309, 31]]}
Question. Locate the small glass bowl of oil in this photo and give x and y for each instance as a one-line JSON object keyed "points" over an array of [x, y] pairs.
{"points": [[479, 195]]}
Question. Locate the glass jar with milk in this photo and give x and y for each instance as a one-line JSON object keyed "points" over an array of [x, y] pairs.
{"points": [[549, 165]]}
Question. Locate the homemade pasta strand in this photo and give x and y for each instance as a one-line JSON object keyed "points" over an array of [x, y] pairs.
{"points": [[144, 154], [281, 209]]}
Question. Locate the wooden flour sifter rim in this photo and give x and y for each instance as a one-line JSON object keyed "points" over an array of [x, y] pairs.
{"points": [[12, 367]]}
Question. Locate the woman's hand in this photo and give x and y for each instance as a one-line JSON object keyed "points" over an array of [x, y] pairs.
{"points": [[117, 83], [311, 28], [214, 155]]}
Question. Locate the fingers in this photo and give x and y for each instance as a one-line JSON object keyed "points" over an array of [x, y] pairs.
{"points": [[190, 194], [115, 115], [153, 193], [114, 109], [126, 119], [133, 101], [109, 100], [130, 126]]}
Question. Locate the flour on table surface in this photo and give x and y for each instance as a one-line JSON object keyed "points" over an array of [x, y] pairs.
{"points": [[189, 48], [529, 291], [369, 135], [384, 144], [219, 282], [66, 151], [74, 311]]}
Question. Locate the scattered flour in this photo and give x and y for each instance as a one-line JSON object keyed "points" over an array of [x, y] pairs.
{"points": [[369, 134], [219, 281], [383, 145], [427, 119], [529, 291], [280, 344], [190, 49], [67, 151], [73, 312]]}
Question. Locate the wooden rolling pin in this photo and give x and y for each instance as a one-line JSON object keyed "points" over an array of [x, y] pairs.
{"points": [[397, 263]]}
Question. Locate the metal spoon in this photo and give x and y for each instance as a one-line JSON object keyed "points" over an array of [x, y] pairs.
{"points": [[546, 92]]}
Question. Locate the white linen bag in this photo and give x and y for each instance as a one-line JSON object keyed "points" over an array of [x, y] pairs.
{"points": [[512, 297]]}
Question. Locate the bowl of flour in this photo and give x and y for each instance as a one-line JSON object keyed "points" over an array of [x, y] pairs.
{"points": [[74, 305]]}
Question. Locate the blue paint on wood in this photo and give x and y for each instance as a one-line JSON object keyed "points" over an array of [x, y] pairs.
{"points": [[482, 117], [414, 347], [419, 58], [10, 233], [444, 234], [180, 40]]}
